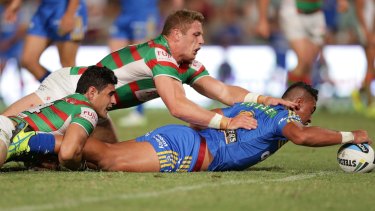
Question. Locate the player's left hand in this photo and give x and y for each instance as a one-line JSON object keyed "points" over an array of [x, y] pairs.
{"points": [[267, 100], [243, 120]]}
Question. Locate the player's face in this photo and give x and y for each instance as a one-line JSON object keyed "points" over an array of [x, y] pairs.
{"points": [[192, 41], [305, 111], [104, 100]]}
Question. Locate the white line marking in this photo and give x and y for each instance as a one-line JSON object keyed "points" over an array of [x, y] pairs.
{"points": [[77, 202]]}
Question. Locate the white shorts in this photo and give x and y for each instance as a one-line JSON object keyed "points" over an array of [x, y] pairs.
{"points": [[298, 26], [6, 128], [57, 85]]}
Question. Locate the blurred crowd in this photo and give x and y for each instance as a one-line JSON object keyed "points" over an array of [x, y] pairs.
{"points": [[228, 22]]}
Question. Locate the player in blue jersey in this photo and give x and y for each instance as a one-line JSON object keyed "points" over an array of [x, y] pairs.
{"points": [[175, 148], [11, 39], [60, 21]]}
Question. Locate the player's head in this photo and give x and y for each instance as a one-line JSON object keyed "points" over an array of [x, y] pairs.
{"points": [[305, 96], [98, 85], [184, 32]]}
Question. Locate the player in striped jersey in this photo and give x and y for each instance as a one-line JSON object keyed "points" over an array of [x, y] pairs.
{"points": [[74, 116], [180, 148], [159, 68]]}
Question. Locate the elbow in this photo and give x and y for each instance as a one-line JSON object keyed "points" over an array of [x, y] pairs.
{"points": [[67, 158], [300, 139], [175, 111]]}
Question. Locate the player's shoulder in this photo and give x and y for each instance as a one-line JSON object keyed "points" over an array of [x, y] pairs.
{"points": [[77, 99]]}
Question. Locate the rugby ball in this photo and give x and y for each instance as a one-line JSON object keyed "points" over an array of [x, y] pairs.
{"points": [[356, 158]]}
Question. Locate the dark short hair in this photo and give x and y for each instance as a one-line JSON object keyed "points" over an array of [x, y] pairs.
{"points": [[301, 85], [181, 19], [99, 77]]}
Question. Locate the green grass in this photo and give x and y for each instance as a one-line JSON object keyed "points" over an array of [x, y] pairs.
{"points": [[295, 178]]}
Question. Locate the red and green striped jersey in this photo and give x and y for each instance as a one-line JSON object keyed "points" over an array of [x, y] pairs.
{"points": [[55, 117], [308, 6], [137, 65]]}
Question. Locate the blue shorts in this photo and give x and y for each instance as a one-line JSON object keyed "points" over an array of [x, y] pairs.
{"points": [[46, 21], [177, 147], [134, 28]]}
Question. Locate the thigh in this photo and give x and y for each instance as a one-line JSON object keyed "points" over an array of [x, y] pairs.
{"points": [[67, 52], [315, 27], [34, 46], [129, 156], [23, 104], [176, 147], [132, 157]]}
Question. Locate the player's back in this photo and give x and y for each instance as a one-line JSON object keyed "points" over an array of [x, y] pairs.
{"points": [[136, 66], [241, 148], [56, 116]]}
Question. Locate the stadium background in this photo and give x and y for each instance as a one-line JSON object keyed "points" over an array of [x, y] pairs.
{"points": [[230, 37], [296, 178]]}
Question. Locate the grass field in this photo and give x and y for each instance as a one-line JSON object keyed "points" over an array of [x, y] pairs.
{"points": [[295, 178]]}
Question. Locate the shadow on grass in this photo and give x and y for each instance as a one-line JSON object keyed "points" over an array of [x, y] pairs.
{"points": [[270, 168], [13, 167]]}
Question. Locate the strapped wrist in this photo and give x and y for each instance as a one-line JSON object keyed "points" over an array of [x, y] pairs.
{"points": [[219, 122], [346, 137], [215, 121], [251, 97]]}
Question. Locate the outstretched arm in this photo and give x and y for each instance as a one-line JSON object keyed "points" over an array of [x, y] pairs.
{"points": [[70, 154], [173, 95], [227, 94], [317, 137]]}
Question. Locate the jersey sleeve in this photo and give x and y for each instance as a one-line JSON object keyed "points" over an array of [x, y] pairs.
{"points": [[86, 118], [163, 64], [197, 71], [284, 118]]}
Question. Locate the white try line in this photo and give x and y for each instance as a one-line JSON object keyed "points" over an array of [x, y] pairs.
{"points": [[177, 189]]}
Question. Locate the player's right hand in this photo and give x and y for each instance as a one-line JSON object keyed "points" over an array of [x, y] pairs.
{"points": [[361, 136], [243, 120]]}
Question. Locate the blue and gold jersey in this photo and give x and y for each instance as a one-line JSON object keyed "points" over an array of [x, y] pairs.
{"points": [[178, 146], [240, 149]]}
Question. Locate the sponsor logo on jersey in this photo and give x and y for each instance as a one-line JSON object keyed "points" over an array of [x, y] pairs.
{"points": [[248, 113], [161, 142], [196, 65], [282, 120], [163, 56], [230, 136], [90, 115]]}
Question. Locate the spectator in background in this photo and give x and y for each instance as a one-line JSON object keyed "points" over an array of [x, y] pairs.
{"points": [[11, 40], [268, 28], [365, 14], [304, 27], [60, 21]]}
